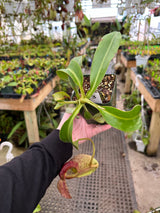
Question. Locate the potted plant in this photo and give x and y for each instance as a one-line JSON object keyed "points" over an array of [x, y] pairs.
{"points": [[141, 139], [104, 53], [130, 100], [122, 120]]}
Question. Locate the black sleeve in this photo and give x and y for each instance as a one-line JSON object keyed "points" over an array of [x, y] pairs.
{"points": [[24, 180]]}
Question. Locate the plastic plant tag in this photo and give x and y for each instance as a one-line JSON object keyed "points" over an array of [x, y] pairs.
{"points": [[96, 98]]}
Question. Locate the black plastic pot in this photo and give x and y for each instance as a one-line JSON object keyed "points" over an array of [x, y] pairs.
{"points": [[7, 90], [155, 93], [129, 57], [96, 99], [140, 69], [152, 57]]}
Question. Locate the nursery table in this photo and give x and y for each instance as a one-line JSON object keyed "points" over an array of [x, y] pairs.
{"points": [[28, 106], [127, 64], [154, 128]]}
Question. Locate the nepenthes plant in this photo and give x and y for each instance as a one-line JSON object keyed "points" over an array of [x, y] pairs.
{"points": [[127, 121]]}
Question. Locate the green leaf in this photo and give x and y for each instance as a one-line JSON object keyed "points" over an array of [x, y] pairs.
{"points": [[95, 26], [29, 90], [23, 138], [12, 84], [66, 130], [105, 51], [78, 60], [98, 117], [127, 121], [60, 96], [42, 133], [7, 78], [86, 31], [74, 72], [14, 129], [86, 22], [55, 123], [59, 105]]}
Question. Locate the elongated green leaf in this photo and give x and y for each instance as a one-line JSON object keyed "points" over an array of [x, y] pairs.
{"points": [[86, 22], [12, 84], [78, 60], [29, 90], [42, 133], [95, 26], [23, 138], [14, 129], [60, 96], [74, 72], [127, 121], [66, 130], [62, 74], [105, 51], [59, 105]]}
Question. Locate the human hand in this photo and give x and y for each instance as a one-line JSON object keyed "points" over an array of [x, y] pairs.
{"points": [[81, 129]]}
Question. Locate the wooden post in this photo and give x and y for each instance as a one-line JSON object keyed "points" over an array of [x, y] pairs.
{"points": [[32, 126], [128, 81], [154, 134], [122, 75], [118, 57]]}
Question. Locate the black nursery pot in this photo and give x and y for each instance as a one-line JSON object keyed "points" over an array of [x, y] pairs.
{"points": [[8, 92], [140, 69], [105, 94]]}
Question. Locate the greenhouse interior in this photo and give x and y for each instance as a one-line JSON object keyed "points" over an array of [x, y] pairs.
{"points": [[80, 106]]}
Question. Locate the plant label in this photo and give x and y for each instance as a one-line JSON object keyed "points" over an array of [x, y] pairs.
{"points": [[96, 98]]}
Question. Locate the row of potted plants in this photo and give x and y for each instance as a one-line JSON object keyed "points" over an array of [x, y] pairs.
{"points": [[42, 63], [151, 72], [32, 50], [151, 77], [55, 49], [128, 43], [25, 77], [152, 51]]}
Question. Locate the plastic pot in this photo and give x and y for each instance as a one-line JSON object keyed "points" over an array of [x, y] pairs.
{"points": [[98, 99], [140, 145]]}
